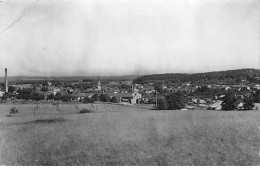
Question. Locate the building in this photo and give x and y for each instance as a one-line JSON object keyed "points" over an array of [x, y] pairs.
{"points": [[122, 97], [6, 83], [99, 84], [54, 90], [136, 98], [24, 86], [1, 93]]}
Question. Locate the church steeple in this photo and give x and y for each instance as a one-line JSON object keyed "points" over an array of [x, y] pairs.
{"points": [[99, 84]]}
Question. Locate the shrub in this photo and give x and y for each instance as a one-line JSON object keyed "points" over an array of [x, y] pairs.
{"points": [[84, 110], [13, 110]]}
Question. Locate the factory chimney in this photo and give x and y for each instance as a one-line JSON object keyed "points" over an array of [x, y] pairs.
{"points": [[6, 83]]}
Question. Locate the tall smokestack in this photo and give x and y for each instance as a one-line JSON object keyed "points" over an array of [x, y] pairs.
{"points": [[6, 83]]}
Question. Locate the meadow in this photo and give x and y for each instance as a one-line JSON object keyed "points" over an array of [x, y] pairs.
{"points": [[127, 135]]}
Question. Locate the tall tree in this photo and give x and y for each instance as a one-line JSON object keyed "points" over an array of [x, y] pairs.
{"points": [[104, 98], [248, 103], [175, 101], [162, 104], [229, 102]]}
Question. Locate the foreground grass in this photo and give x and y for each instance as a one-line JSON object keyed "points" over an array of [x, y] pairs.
{"points": [[133, 137]]}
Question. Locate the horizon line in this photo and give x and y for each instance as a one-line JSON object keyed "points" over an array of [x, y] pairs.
{"points": [[123, 75]]}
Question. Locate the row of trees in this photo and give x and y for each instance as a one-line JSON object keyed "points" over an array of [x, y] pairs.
{"points": [[26, 95], [230, 102], [102, 97], [176, 101]]}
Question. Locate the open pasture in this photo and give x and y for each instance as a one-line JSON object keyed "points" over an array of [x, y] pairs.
{"points": [[127, 135]]}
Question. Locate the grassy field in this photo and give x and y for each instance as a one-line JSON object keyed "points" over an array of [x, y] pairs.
{"points": [[127, 135]]}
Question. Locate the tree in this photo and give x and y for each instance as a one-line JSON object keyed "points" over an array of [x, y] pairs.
{"points": [[159, 88], [37, 96], [162, 104], [104, 98], [114, 99], [45, 84], [95, 97], [6, 96], [2, 85], [229, 102], [66, 98], [11, 89], [50, 96], [45, 88], [248, 103], [57, 96], [24, 94], [88, 100], [175, 101], [256, 96]]}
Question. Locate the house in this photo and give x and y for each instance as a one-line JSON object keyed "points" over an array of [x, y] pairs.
{"points": [[164, 87], [24, 86], [240, 96], [79, 96], [257, 87], [46, 94], [150, 91], [54, 90], [122, 97], [136, 95], [1, 93], [227, 88], [216, 105], [136, 98]]}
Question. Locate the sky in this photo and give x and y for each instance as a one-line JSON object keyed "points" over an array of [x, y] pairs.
{"points": [[127, 37]]}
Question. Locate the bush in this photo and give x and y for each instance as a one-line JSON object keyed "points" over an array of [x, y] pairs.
{"points": [[84, 111], [162, 104], [13, 110]]}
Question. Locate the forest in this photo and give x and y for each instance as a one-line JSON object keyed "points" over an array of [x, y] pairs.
{"points": [[228, 76]]}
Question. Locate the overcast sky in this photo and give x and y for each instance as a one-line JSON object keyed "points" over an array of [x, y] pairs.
{"points": [[119, 37]]}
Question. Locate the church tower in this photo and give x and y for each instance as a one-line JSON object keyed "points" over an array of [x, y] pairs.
{"points": [[99, 84]]}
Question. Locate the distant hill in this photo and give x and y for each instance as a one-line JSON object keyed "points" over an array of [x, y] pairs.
{"points": [[67, 78], [216, 76]]}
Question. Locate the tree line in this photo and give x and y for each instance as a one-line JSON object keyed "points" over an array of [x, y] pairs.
{"points": [[229, 76]]}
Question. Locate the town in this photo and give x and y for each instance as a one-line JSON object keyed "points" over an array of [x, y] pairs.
{"points": [[197, 95], [129, 83]]}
